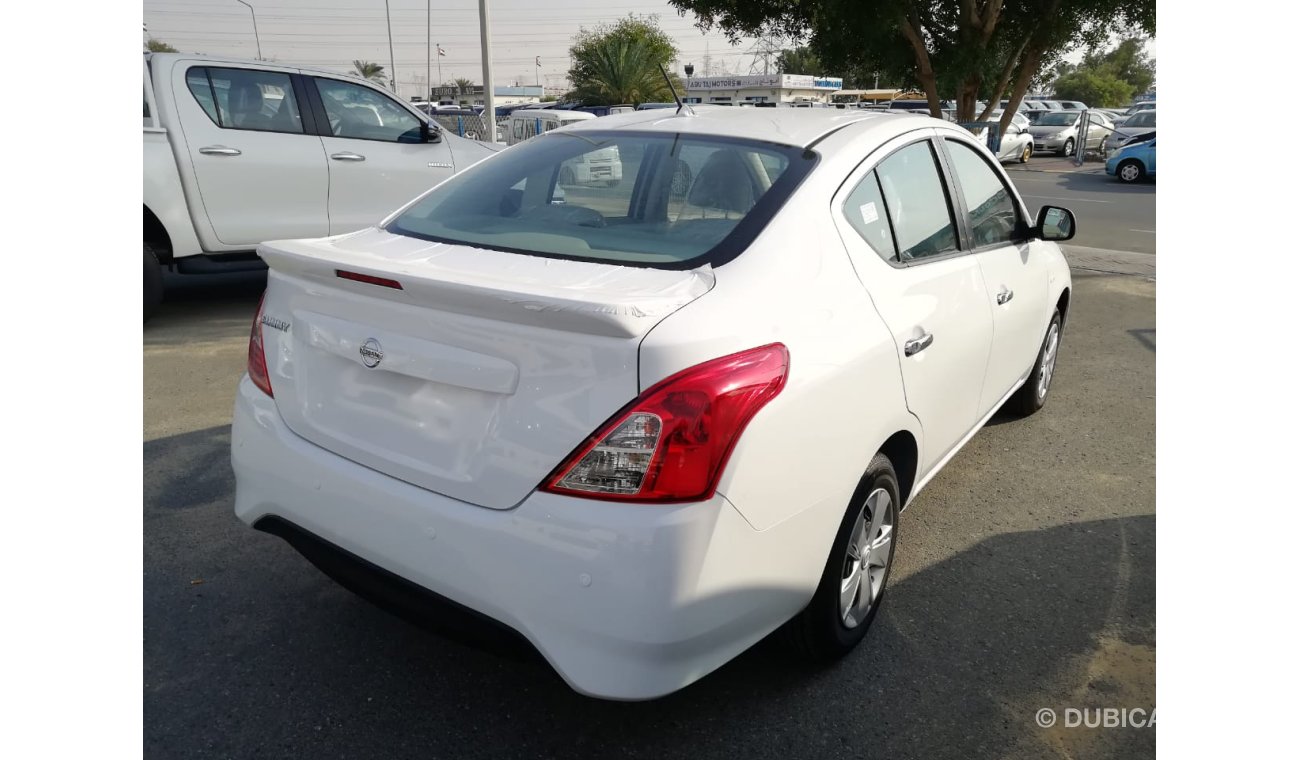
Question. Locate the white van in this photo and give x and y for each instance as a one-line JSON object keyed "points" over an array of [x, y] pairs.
{"points": [[593, 167]]}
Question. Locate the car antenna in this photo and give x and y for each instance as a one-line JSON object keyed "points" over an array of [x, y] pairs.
{"points": [[682, 108]]}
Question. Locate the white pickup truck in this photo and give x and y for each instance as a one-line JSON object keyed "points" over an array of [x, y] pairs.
{"points": [[239, 152]]}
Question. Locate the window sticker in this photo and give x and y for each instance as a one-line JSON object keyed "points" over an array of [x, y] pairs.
{"points": [[869, 213]]}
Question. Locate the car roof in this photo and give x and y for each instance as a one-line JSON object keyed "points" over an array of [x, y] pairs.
{"points": [[792, 126], [206, 58]]}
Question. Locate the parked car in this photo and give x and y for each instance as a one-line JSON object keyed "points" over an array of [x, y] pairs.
{"points": [[233, 155], [652, 106], [1114, 115], [1145, 105], [1139, 127], [1051, 105], [1058, 132], [645, 431], [1017, 142], [1072, 105], [1034, 114], [1134, 162], [602, 166]]}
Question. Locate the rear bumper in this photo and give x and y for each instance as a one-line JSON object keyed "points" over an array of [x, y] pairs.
{"points": [[624, 601]]}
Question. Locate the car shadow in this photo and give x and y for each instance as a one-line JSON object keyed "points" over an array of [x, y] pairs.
{"points": [[250, 651], [204, 307]]}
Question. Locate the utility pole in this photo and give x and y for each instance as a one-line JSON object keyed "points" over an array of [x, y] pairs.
{"points": [[392, 60], [255, 35], [489, 100], [428, 51]]}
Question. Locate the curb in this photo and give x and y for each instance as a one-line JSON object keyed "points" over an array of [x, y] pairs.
{"points": [[1109, 261]]}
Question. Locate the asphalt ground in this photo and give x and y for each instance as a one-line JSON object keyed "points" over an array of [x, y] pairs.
{"points": [[1024, 579], [1109, 214]]}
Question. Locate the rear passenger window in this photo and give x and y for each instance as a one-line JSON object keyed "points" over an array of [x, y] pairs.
{"points": [[917, 203], [261, 101], [991, 211], [865, 210]]}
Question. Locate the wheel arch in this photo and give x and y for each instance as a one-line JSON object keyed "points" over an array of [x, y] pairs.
{"points": [[1063, 305], [155, 234], [904, 454]]}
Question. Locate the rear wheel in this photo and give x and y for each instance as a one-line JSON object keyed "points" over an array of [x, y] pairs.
{"points": [[153, 283], [853, 583], [1130, 171], [1033, 394], [1068, 148]]}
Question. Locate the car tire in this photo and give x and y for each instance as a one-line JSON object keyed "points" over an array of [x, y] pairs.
{"points": [[823, 631], [1026, 153], [1068, 148], [153, 282], [1032, 396], [1130, 170]]}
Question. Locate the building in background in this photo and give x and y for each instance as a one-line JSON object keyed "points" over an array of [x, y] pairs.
{"points": [[473, 95], [762, 88]]}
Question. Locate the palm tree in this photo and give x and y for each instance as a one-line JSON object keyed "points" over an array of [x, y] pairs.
{"points": [[372, 71], [621, 70], [463, 85]]}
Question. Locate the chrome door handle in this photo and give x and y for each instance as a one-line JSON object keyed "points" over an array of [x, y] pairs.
{"points": [[917, 345], [347, 156], [218, 150], [1005, 296]]}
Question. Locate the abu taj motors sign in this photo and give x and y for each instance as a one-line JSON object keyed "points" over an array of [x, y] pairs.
{"points": [[771, 81]]}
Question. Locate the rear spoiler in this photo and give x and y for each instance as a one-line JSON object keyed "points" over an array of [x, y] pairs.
{"points": [[577, 296]]}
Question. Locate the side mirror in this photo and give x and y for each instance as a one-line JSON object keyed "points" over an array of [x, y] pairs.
{"points": [[1054, 223], [428, 134]]}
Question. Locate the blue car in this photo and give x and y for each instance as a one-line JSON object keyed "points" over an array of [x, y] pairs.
{"points": [[1133, 162]]}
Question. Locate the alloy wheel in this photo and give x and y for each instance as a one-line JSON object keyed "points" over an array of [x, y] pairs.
{"points": [[1048, 365], [867, 558]]}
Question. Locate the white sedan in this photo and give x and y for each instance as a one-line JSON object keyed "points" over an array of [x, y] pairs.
{"points": [[644, 426]]}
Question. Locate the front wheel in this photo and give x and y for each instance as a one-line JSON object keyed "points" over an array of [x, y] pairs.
{"points": [[852, 587], [1068, 148], [1033, 394], [1026, 153], [1130, 171]]}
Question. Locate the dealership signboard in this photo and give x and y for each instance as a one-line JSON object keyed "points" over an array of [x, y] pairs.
{"points": [[772, 81]]}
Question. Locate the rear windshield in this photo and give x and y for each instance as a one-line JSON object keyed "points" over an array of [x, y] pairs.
{"points": [[648, 199], [1058, 119], [1142, 119]]}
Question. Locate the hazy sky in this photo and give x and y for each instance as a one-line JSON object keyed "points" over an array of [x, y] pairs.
{"points": [[332, 33]]}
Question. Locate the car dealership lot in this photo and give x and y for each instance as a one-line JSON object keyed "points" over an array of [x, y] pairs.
{"points": [[1024, 579], [1110, 214]]}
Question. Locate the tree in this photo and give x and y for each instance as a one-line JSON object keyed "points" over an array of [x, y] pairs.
{"points": [[372, 71], [800, 60], [619, 63], [1097, 88], [973, 49], [158, 46], [463, 85], [1128, 62]]}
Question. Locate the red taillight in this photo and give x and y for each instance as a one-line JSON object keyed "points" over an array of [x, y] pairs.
{"points": [[369, 279], [257, 354], [671, 444]]}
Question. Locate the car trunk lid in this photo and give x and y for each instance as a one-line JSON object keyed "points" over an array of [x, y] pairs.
{"points": [[471, 372]]}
